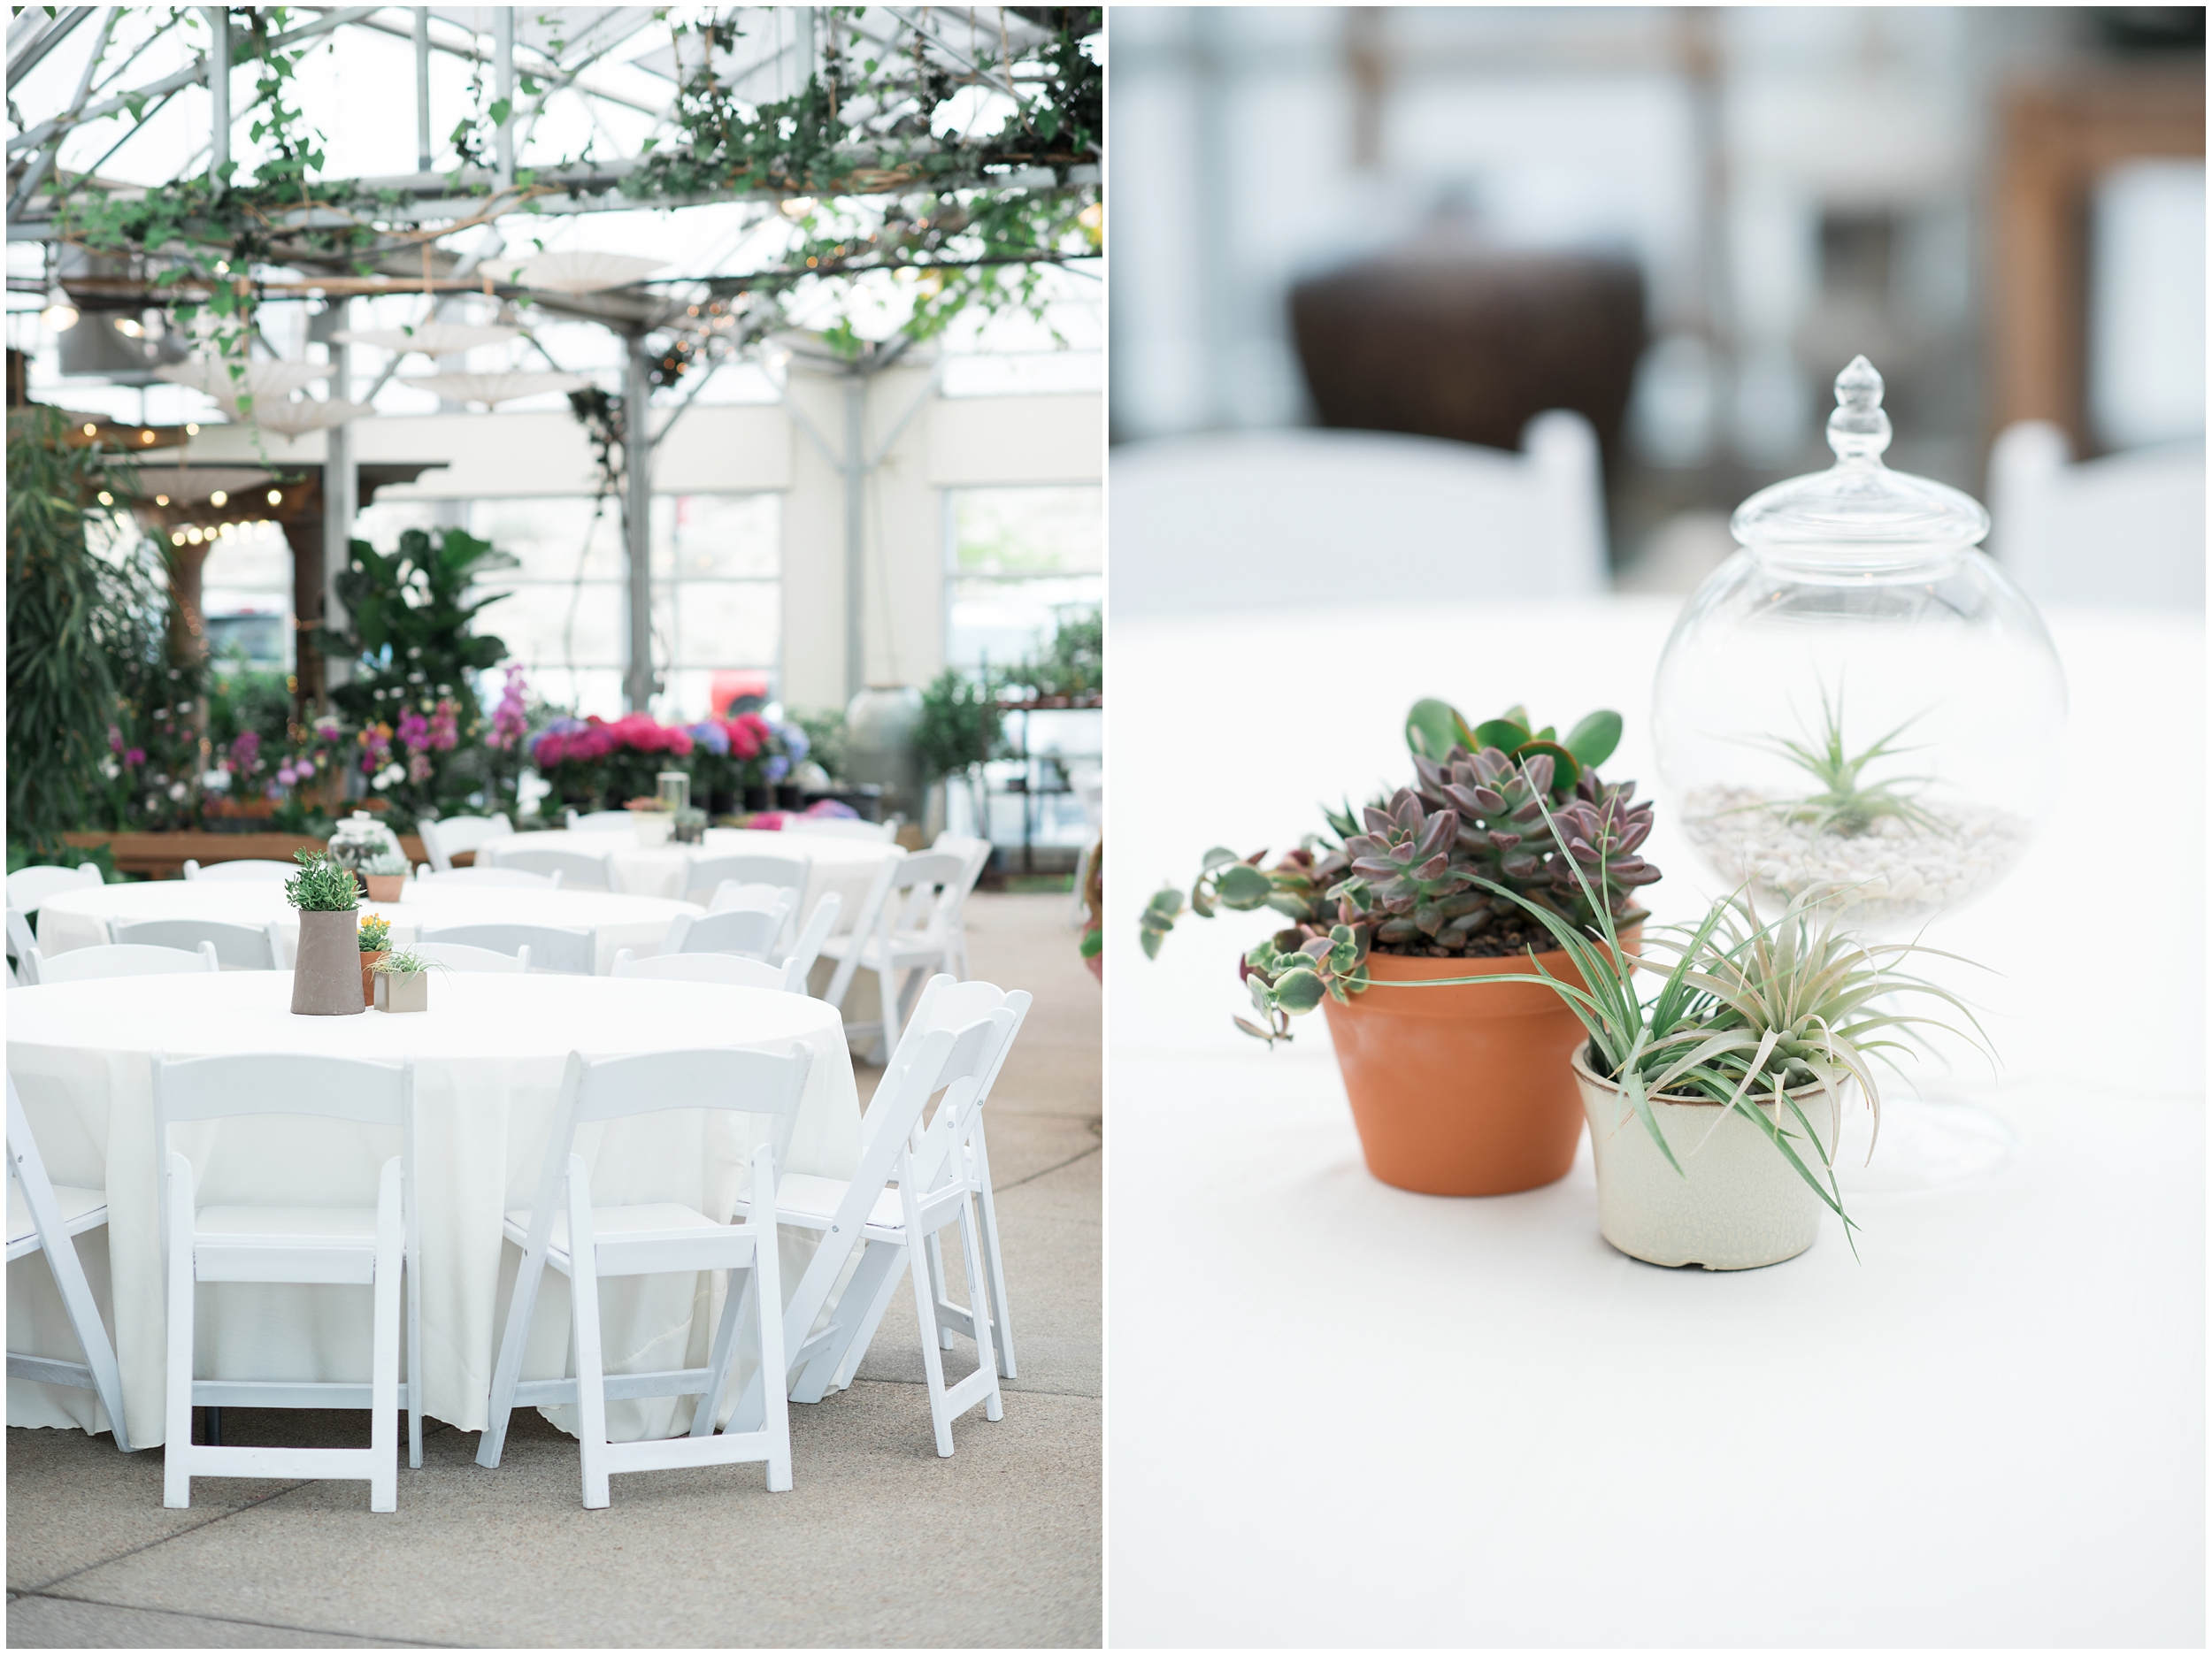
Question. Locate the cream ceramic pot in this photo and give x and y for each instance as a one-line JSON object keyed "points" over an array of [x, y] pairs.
{"points": [[1741, 1205]]}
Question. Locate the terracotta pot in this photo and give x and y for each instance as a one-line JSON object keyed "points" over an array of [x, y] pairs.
{"points": [[1462, 1090], [368, 976], [327, 974], [385, 887], [1739, 1206]]}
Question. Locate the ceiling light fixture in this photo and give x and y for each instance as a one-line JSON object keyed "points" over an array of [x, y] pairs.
{"points": [[59, 315]]}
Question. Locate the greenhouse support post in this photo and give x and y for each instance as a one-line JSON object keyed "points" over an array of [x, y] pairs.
{"points": [[637, 518], [341, 496], [422, 88]]}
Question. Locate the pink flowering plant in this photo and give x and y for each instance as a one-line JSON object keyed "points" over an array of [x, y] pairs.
{"points": [[599, 763]]}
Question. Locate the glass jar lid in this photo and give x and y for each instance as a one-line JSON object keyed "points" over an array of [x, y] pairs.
{"points": [[1858, 512]]}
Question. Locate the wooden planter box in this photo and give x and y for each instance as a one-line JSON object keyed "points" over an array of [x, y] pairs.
{"points": [[164, 855]]}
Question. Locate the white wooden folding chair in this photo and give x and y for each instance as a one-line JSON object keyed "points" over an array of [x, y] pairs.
{"points": [[366, 1246], [932, 1192], [808, 949], [908, 924], [552, 948], [841, 827], [21, 939], [452, 836], [246, 870], [578, 871], [601, 822], [563, 1229], [461, 956], [729, 970], [515, 878], [708, 873], [29, 887], [239, 947], [47, 1218], [752, 932], [976, 853], [117, 958]]}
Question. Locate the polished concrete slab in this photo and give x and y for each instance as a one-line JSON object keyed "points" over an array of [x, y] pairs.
{"points": [[878, 1541]]}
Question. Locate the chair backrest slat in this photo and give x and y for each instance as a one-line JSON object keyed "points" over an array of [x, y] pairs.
{"points": [[240, 948], [244, 870], [121, 959], [451, 836], [731, 895], [279, 1083], [461, 956], [29, 887], [750, 932], [709, 873], [808, 949], [552, 948], [579, 872]]}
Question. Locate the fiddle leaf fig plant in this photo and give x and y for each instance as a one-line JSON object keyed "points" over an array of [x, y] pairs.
{"points": [[1503, 817]]}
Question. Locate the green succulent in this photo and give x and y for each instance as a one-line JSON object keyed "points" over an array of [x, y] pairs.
{"points": [[322, 885]]}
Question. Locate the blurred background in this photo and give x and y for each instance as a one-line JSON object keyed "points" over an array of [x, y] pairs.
{"points": [[1679, 224]]}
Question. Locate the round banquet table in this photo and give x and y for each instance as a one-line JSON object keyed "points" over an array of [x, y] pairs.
{"points": [[79, 918], [847, 866], [489, 1059]]}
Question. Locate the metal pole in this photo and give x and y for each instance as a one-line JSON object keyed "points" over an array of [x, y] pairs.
{"points": [[503, 79], [856, 469], [219, 91], [422, 88], [341, 495], [637, 460]]}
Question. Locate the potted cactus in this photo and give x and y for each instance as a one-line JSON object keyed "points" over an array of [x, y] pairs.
{"points": [[402, 981], [385, 873], [327, 970], [375, 936], [1460, 1088]]}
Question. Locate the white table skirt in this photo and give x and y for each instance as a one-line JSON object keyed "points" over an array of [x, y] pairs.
{"points": [[489, 1060], [847, 866], [79, 918], [1343, 1413]]}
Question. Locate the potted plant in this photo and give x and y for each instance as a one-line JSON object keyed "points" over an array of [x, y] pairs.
{"points": [[375, 936], [653, 820], [402, 981], [1713, 1107], [385, 873], [326, 971], [1462, 1088]]}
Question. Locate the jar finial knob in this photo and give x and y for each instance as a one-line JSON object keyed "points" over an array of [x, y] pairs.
{"points": [[1858, 430]]}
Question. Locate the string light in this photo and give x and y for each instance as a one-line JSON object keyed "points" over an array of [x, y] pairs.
{"points": [[276, 496], [218, 498], [161, 500]]}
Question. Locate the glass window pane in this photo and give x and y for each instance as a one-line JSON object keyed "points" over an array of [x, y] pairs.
{"points": [[1028, 532], [540, 630], [551, 537], [704, 536], [720, 624], [1005, 621], [252, 557]]}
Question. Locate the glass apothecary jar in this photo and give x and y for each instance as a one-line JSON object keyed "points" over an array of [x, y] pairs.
{"points": [[360, 839], [1859, 698]]}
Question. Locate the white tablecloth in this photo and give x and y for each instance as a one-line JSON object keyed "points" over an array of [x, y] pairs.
{"points": [[488, 1060], [844, 865], [79, 918], [1347, 1415]]}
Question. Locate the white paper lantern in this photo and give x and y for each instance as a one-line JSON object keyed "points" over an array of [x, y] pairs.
{"points": [[575, 272], [492, 389]]}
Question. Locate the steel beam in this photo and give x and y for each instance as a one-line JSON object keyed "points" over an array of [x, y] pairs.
{"points": [[637, 520], [422, 88], [218, 92], [504, 81]]}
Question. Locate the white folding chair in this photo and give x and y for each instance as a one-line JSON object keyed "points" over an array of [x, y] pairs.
{"points": [[841, 827], [577, 872], [351, 1246], [589, 1243], [21, 939], [29, 887], [751, 932], [552, 948], [976, 853], [244, 871], [451, 836], [47, 1218], [118, 959], [601, 822], [460, 957], [729, 970], [239, 947], [710, 873], [808, 949], [910, 923], [933, 1190], [515, 878]]}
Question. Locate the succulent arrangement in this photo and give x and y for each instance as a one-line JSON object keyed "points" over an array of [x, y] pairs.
{"points": [[375, 933], [1504, 816], [384, 864], [323, 884]]}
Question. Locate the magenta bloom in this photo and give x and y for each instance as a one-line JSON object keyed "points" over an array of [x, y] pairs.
{"points": [[444, 726], [511, 718], [245, 753], [414, 730], [137, 755]]}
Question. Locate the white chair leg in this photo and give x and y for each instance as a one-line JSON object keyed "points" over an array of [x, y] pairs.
{"points": [[176, 1472], [508, 1373], [887, 1003], [591, 1381], [932, 1247], [384, 1347], [768, 1278], [414, 1361], [993, 1266], [860, 1309], [933, 1361], [736, 1298], [979, 1310]]}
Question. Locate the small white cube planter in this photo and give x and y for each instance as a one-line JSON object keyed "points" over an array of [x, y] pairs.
{"points": [[1741, 1205], [653, 827]]}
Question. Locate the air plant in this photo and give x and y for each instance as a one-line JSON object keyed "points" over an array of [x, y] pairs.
{"points": [[1501, 806], [406, 962], [1844, 805]]}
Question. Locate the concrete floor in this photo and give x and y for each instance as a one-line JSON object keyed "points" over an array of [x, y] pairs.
{"points": [[879, 1542]]}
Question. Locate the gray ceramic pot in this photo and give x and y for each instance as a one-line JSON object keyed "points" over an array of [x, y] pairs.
{"points": [[326, 975], [880, 727]]}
